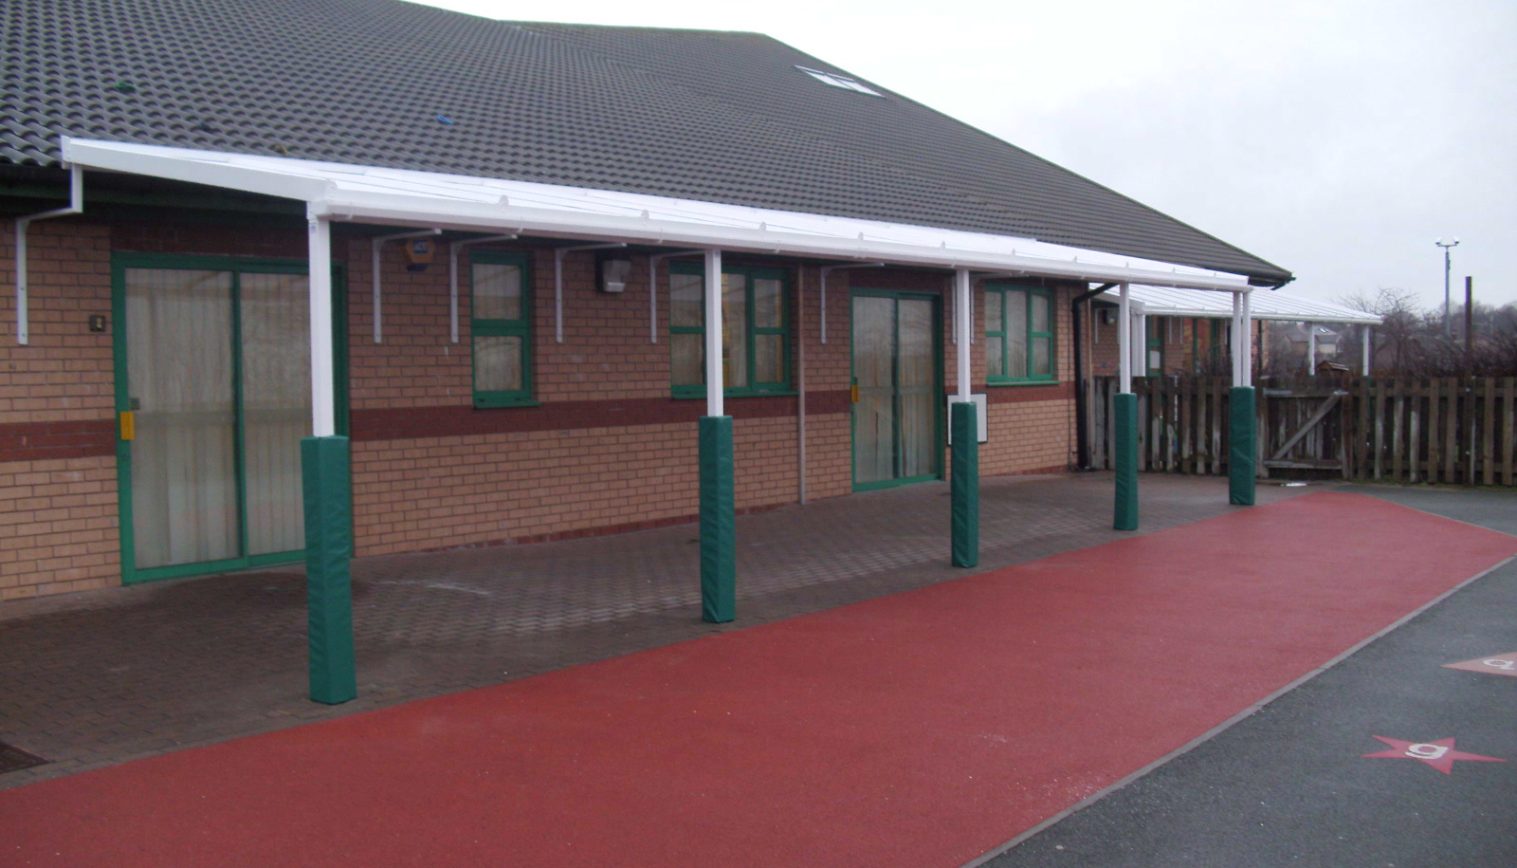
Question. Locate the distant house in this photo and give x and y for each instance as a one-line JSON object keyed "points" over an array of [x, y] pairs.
{"points": [[530, 360]]}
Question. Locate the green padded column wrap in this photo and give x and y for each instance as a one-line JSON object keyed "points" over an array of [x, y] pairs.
{"points": [[1243, 442], [1124, 407], [718, 540], [329, 548], [965, 485]]}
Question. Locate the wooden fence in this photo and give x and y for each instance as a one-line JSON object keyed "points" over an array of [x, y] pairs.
{"points": [[1449, 430]]}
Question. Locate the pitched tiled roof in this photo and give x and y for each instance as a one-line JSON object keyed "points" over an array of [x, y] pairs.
{"points": [[722, 117]]}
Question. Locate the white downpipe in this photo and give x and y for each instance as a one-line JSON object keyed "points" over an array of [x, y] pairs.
{"points": [[961, 310], [75, 206], [826, 270], [653, 262], [453, 249], [376, 244], [323, 397], [714, 379], [558, 282], [1124, 342], [1369, 351]]}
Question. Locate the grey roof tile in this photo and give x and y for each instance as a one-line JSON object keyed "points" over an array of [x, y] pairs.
{"points": [[697, 114]]}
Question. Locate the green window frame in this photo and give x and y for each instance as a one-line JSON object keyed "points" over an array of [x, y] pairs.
{"points": [[755, 325], [500, 329], [1019, 335]]}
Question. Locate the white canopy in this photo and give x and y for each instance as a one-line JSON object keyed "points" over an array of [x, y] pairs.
{"points": [[1171, 301], [370, 194]]}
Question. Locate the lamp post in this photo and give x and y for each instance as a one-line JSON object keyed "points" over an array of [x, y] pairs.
{"points": [[1448, 329]]}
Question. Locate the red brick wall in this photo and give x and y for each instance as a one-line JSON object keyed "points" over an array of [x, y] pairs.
{"points": [[607, 449]]}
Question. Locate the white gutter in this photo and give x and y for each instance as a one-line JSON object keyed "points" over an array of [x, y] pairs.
{"points": [[375, 245], [453, 248], [75, 206]]}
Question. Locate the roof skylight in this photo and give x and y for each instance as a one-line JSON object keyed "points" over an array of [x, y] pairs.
{"points": [[835, 80]]}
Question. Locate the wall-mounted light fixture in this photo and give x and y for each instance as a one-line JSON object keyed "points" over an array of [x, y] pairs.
{"points": [[612, 271]]}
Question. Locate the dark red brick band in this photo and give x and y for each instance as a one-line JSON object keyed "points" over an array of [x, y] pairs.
{"points": [[42, 441]]}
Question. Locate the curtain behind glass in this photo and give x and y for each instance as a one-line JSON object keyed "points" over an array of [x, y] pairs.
{"points": [[179, 375], [873, 370], [916, 376], [276, 406]]}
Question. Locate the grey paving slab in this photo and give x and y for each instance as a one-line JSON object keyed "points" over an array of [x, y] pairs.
{"points": [[98, 678], [1289, 784]]}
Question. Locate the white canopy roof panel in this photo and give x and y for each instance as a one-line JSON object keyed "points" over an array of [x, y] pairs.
{"points": [[425, 199], [1170, 301]]}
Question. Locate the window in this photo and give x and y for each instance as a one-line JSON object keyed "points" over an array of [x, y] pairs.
{"points": [[1018, 334], [755, 330], [1154, 344], [839, 81], [501, 329]]}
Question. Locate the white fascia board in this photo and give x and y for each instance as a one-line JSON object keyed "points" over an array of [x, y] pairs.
{"points": [[203, 168]]}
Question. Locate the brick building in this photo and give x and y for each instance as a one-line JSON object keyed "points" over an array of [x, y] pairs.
{"points": [[156, 364]]}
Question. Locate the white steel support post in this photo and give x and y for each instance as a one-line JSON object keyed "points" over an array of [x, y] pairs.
{"points": [[323, 396], [717, 493], [325, 486], [1246, 318], [1235, 340], [714, 378], [1124, 414], [1368, 351], [964, 478], [1311, 349]]}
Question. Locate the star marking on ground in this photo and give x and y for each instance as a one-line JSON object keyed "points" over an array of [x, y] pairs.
{"points": [[1439, 754]]}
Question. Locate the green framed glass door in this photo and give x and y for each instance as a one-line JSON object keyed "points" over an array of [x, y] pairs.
{"points": [[896, 389], [213, 382]]}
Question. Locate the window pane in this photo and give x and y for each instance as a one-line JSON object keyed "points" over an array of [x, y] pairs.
{"points": [[1039, 312], [1016, 333], [993, 312], [688, 356], [768, 304], [1042, 359], [497, 364], [734, 330], [994, 361], [497, 291], [685, 300], [768, 358]]}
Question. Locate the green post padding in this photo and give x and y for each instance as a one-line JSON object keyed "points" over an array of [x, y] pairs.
{"points": [[329, 548], [1124, 414], [1242, 439], [718, 538], [965, 485]]}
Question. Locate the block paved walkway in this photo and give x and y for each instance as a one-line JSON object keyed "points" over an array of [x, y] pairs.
{"points": [[97, 678], [923, 727]]}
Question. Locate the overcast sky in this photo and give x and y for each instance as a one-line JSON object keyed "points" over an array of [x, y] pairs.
{"points": [[1336, 138]]}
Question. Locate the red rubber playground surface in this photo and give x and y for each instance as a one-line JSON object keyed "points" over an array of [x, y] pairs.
{"points": [[919, 729]]}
